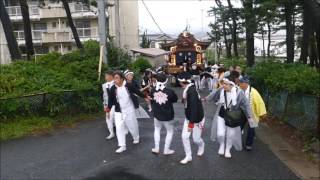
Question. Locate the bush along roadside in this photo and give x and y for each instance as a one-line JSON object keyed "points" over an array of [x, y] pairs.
{"points": [[37, 96], [293, 78]]}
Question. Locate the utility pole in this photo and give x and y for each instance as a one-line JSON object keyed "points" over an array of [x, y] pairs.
{"points": [[117, 23], [102, 29], [216, 60]]}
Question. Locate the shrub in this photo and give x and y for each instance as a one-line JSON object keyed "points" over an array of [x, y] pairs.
{"points": [[140, 65], [294, 78], [53, 74], [118, 58], [76, 55], [52, 56], [92, 49], [234, 62]]}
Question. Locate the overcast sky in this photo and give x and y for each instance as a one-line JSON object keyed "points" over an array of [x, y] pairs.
{"points": [[173, 15]]}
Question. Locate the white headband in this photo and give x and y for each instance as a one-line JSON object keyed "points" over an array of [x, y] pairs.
{"points": [[226, 80], [126, 73], [185, 80]]}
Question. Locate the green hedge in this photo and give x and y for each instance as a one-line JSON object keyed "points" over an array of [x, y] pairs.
{"points": [[39, 87], [294, 78], [140, 65]]}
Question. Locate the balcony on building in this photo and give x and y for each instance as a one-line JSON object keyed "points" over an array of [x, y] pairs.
{"points": [[49, 9]]}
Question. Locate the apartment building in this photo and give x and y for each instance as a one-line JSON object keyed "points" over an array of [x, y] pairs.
{"points": [[51, 31]]}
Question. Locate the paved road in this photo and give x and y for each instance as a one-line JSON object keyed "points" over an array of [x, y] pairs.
{"points": [[83, 153]]}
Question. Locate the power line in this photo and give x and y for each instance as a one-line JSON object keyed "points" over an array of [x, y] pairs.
{"points": [[152, 17]]}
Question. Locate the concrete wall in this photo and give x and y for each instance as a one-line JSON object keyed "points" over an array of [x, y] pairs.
{"points": [[129, 23], [5, 57]]}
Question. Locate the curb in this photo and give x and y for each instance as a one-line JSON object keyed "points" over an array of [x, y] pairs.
{"points": [[293, 159]]}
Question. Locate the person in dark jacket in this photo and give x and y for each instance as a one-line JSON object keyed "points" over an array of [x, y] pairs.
{"points": [[194, 120], [129, 75], [146, 85], [162, 105], [123, 96]]}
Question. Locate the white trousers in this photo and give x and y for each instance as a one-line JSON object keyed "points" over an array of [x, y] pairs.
{"points": [[228, 136], [196, 79], [126, 121], [196, 135], [110, 120], [205, 81], [157, 129]]}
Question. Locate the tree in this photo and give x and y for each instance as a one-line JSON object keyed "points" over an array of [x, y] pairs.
{"points": [[27, 28], [222, 25], [8, 31], [306, 35], [267, 15], [234, 28], [250, 24], [262, 31], [145, 41], [289, 19], [311, 33], [215, 36], [71, 24]]}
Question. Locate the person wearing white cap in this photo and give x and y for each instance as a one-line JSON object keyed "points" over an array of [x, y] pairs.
{"points": [[206, 79], [194, 121], [129, 75], [106, 91], [195, 75], [162, 105], [225, 127], [214, 68], [123, 96]]}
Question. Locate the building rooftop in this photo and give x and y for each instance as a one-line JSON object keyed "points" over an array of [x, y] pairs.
{"points": [[151, 52]]}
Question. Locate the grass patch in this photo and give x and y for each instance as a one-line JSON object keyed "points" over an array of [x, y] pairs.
{"points": [[24, 126]]}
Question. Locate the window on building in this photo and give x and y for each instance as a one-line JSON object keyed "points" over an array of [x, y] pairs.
{"points": [[40, 26], [38, 29], [83, 28], [82, 24], [80, 7], [41, 49], [56, 48], [11, 2], [54, 24], [18, 31]]}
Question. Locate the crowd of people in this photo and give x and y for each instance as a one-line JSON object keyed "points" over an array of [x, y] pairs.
{"points": [[237, 104]]}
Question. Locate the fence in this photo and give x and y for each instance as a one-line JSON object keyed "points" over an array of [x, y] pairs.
{"points": [[298, 110], [51, 104]]}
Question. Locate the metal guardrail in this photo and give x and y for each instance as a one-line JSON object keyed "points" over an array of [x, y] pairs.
{"points": [[298, 110], [53, 103]]}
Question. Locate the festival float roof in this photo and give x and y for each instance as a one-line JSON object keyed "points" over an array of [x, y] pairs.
{"points": [[186, 40]]}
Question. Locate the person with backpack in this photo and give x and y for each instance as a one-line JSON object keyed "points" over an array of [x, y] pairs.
{"points": [[233, 110]]}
